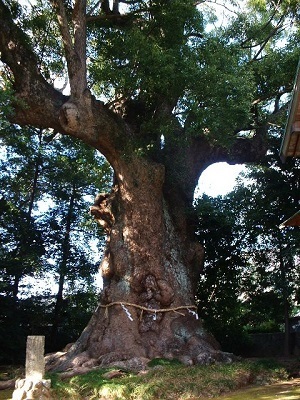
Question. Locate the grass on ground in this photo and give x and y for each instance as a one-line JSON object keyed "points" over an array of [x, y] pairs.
{"points": [[167, 380]]}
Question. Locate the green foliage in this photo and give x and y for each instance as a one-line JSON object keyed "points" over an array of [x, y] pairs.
{"points": [[219, 286], [219, 110], [163, 362], [45, 39], [217, 80], [6, 96], [148, 59], [46, 189], [79, 303], [252, 271]]}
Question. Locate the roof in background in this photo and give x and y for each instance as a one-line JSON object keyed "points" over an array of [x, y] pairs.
{"points": [[294, 220], [290, 146]]}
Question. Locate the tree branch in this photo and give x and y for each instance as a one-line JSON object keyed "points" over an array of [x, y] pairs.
{"points": [[36, 101], [39, 104], [276, 30], [201, 153], [74, 45], [79, 23], [62, 19]]}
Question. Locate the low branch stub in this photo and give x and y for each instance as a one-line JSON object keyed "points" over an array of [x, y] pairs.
{"points": [[69, 117]]}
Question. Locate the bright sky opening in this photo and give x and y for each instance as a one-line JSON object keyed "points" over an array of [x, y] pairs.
{"points": [[218, 179]]}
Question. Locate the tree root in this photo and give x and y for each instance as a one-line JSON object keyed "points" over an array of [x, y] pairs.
{"points": [[9, 384]]}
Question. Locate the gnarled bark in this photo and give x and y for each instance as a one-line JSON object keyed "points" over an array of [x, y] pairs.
{"points": [[147, 307]]}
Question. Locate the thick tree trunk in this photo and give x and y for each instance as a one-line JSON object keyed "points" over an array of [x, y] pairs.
{"points": [[147, 308]]}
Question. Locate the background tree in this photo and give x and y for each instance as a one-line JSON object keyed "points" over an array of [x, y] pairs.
{"points": [[74, 175], [258, 263], [42, 236], [178, 97], [22, 245], [221, 283]]}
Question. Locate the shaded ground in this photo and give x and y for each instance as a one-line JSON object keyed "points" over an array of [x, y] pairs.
{"points": [[5, 394], [283, 390], [289, 390], [182, 383]]}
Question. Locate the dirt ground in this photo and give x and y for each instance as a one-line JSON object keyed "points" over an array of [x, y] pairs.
{"points": [[287, 390], [283, 390]]}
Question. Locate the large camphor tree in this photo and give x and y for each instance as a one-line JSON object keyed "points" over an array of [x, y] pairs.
{"points": [[162, 91]]}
